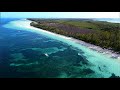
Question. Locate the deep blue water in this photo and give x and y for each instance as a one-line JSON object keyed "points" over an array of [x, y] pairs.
{"points": [[23, 54]]}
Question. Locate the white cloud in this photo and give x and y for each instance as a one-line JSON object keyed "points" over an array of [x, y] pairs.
{"points": [[93, 14], [61, 14]]}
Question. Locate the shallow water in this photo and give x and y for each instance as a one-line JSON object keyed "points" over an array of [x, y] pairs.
{"points": [[33, 53]]}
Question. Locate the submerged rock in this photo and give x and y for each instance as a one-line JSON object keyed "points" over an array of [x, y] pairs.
{"points": [[88, 71], [114, 76]]}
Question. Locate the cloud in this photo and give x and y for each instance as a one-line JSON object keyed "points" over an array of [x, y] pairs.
{"points": [[60, 14]]}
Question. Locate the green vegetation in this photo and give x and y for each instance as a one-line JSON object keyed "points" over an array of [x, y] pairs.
{"points": [[104, 34]]}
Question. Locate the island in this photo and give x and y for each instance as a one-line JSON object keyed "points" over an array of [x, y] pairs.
{"points": [[100, 33]]}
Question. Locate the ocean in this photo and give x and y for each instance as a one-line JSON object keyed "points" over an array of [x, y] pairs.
{"points": [[32, 53], [113, 20]]}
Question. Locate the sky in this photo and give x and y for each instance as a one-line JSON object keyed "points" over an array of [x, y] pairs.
{"points": [[60, 14]]}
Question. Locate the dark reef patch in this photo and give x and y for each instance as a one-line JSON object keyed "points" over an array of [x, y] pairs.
{"points": [[32, 54]]}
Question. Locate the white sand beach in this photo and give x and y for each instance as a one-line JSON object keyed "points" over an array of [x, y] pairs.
{"points": [[95, 54], [26, 24]]}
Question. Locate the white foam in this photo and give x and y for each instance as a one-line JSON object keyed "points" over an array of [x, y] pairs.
{"points": [[46, 54]]}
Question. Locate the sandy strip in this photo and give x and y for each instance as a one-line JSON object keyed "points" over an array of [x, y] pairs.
{"points": [[26, 24], [100, 59], [91, 46]]}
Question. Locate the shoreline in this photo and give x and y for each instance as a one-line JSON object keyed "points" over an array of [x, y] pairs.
{"points": [[93, 47], [26, 23], [99, 49], [101, 60]]}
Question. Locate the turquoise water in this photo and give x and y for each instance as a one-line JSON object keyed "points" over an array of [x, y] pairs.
{"points": [[34, 53]]}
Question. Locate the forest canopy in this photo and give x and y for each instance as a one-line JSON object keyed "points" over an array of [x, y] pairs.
{"points": [[101, 33]]}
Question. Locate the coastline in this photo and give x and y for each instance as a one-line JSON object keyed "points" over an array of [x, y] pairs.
{"points": [[98, 48], [93, 47], [102, 60], [26, 23]]}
